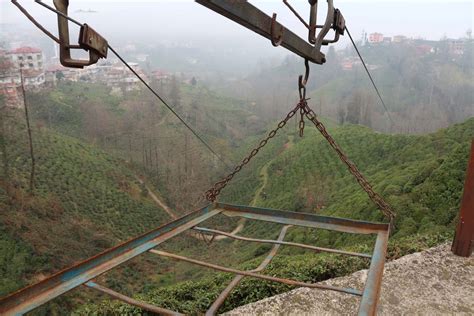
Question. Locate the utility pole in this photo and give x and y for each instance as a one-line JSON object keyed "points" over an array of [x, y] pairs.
{"points": [[3, 143], [30, 139], [464, 238]]}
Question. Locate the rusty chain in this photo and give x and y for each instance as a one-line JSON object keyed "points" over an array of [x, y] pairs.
{"points": [[215, 190], [301, 122], [305, 110], [374, 196]]}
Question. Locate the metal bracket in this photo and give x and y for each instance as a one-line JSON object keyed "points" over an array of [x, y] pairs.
{"points": [[338, 25], [254, 19], [89, 40]]}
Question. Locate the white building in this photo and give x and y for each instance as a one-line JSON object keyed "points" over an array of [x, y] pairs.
{"points": [[375, 38], [28, 58]]}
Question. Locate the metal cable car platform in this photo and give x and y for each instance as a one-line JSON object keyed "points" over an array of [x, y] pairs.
{"points": [[83, 273]]}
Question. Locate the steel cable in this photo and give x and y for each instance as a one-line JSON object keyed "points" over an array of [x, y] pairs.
{"points": [[169, 107], [370, 76], [146, 85]]}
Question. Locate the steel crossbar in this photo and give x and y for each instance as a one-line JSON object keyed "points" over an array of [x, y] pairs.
{"points": [[85, 272], [279, 242]]}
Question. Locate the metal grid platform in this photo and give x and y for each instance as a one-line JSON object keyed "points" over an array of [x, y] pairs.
{"points": [[84, 272]]}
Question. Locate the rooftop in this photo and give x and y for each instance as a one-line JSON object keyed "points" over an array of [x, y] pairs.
{"points": [[25, 50]]}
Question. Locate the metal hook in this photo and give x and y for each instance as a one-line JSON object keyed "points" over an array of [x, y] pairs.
{"points": [[302, 82], [276, 41]]}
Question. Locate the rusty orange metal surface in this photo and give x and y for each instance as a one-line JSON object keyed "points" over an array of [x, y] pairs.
{"points": [[37, 294], [463, 242]]}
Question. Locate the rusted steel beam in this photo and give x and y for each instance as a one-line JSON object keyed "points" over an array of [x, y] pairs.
{"points": [[236, 280], [131, 301], [247, 15], [463, 242], [373, 284], [279, 242], [303, 219], [258, 276], [35, 295]]}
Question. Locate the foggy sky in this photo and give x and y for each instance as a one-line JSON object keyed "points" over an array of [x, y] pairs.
{"points": [[182, 18], [186, 22]]}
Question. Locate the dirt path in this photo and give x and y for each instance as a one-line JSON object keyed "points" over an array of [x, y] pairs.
{"points": [[241, 223], [157, 200], [264, 175]]}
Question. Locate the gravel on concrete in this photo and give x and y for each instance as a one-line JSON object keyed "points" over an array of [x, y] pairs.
{"points": [[431, 282]]}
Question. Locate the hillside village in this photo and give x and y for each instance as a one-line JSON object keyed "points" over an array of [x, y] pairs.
{"points": [[40, 72], [454, 48]]}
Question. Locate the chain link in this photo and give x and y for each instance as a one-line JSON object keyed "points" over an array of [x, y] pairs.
{"points": [[301, 123], [374, 196], [215, 190]]}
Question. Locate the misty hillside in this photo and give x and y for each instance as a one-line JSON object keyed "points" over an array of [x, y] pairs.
{"points": [[420, 176], [90, 145], [423, 91], [84, 202]]}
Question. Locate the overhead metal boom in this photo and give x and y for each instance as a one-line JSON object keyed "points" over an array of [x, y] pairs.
{"points": [[254, 19]]}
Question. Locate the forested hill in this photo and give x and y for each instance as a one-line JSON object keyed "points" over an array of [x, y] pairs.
{"points": [[420, 176], [423, 91], [84, 201]]}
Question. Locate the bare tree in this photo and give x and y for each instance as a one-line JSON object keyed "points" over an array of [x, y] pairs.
{"points": [[354, 108], [366, 117], [341, 114], [175, 93]]}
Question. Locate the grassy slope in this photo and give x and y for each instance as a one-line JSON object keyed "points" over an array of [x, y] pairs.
{"points": [[421, 177], [85, 201]]}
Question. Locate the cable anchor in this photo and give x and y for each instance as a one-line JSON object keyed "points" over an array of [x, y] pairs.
{"points": [[89, 40]]}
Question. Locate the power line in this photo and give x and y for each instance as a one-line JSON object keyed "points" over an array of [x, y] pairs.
{"points": [[146, 85], [370, 76], [168, 106]]}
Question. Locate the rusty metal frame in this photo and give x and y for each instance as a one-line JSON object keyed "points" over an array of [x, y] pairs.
{"points": [[249, 16], [236, 280], [84, 272], [463, 243]]}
